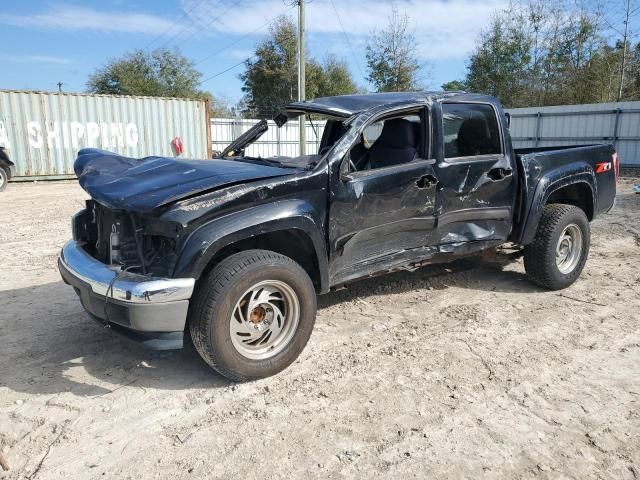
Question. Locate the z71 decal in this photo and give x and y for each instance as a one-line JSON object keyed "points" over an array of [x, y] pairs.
{"points": [[603, 167]]}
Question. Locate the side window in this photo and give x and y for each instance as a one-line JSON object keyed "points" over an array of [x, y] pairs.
{"points": [[389, 142], [470, 129]]}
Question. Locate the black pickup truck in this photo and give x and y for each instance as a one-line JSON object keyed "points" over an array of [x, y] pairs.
{"points": [[234, 250], [7, 169]]}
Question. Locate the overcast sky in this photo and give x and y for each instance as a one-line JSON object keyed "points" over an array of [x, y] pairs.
{"points": [[44, 42]]}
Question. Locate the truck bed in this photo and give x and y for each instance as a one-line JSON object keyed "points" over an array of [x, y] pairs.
{"points": [[542, 170]]}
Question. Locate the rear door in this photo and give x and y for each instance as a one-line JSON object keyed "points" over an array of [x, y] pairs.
{"points": [[476, 178]]}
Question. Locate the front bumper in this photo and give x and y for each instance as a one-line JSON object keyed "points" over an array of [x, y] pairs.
{"points": [[12, 171], [150, 310]]}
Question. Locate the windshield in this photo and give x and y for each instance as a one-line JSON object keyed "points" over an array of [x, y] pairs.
{"points": [[277, 142]]}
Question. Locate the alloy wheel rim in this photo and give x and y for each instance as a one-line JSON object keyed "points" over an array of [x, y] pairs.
{"points": [[264, 320], [569, 249]]}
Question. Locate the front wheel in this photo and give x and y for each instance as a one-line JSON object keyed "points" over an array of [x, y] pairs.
{"points": [[560, 248], [253, 314], [4, 178]]}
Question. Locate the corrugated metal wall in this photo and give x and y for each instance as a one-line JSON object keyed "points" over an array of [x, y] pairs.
{"points": [[275, 141], [43, 131], [616, 123]]}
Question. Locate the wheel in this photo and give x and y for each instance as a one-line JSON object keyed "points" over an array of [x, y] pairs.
{"points": [[4, 179], [253, 314], [560, 248]]}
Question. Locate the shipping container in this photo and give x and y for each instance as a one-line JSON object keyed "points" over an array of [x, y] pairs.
{"points": [[43, 131]]}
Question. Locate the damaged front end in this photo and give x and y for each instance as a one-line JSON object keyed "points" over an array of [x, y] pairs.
{"points": [[122, 258], [125, 240], [119, 264]]}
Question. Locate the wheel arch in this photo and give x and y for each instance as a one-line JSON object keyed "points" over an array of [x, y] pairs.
{"points": [[561, 186], [295, 235], [579, 194]]}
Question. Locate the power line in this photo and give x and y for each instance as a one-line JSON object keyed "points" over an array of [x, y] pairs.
{"points": [[353, 54], [174, 24], [232, 6], [189, 25], [235, 42], [226, 70]]}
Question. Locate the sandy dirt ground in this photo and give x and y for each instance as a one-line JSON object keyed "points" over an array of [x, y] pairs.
{"points": [[458, 371]]}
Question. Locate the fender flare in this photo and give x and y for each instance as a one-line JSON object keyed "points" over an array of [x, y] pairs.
{"points": [[547, 185], [208, 239]]}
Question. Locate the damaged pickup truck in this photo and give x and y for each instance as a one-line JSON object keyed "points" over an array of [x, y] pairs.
{"points": [[234, 250]]}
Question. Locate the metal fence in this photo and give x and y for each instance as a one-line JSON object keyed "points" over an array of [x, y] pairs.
{"points": [[616, 123], [275, 141]]}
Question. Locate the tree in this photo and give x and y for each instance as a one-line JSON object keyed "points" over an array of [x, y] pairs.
{"points": [[336, 78], [271, 76], [500, 63], [161, 73], [454, 85], [391, 62], [543, 52], [221, 107]]}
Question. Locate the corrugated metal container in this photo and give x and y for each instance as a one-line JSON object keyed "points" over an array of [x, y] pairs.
{"points": [[275, 141], [616, 123], [43, 131]]}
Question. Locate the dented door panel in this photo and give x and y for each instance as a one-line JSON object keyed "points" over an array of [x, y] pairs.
{"points": [[379, 212], [468, 195]]}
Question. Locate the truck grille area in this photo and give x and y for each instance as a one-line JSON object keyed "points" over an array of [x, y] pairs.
{"points": [[118, 238]]}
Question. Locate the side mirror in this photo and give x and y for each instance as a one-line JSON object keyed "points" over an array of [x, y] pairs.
{"points": [[508, 115], [345, 168]]}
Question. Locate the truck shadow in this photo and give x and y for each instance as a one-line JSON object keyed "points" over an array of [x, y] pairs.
{"points": [[50, 345]]}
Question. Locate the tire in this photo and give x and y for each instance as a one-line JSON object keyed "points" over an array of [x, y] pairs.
{"points": [[232, 338], [544, 259], [4, 179]]}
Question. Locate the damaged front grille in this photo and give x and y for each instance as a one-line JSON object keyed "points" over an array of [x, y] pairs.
{"points": [[120, 238]]}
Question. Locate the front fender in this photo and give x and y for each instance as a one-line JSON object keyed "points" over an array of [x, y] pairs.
{"points": [[550, 182], [208, 239]]}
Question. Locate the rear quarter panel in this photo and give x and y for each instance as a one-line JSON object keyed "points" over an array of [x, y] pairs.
{"points": [[548, 171]]}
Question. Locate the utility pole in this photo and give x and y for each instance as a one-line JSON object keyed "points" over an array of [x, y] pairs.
{"points": [[301, 75], [60, 86], [624, 48]]}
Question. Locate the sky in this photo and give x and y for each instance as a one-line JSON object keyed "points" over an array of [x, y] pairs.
{"points": [[46, 42]]}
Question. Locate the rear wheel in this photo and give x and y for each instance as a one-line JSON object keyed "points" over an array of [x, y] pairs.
{"points": [[559, 251], [253, 314]]}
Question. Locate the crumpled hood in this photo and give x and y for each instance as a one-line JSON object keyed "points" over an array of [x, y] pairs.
{"points": [[141, 185]]}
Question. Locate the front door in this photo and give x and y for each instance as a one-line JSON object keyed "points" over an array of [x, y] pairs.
{"points": [[385, 206]]}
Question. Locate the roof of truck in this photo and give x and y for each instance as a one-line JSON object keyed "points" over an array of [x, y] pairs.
{"points": [[347, 105]]}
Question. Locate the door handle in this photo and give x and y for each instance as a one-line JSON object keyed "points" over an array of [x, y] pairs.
{"points": [[497, 174], [426, 181]]}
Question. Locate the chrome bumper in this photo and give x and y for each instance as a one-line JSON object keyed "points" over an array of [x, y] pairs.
{"points": [[152, 311], [127, 287]]}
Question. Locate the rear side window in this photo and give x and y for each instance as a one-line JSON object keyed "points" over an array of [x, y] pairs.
{"points": [[469, 130]]}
